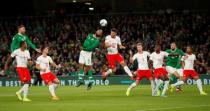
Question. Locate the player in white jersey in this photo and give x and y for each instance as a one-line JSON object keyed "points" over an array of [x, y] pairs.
{"points": [[43, 63], [112, 42], [189, 71], [22, 57], [143, 68], [160, 72]]}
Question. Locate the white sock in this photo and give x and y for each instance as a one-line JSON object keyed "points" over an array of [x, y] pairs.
{"points": [[133, 85], [158, 83], [153, 86], [21, 89], [178, 83], [52, 90], [25, 90], [109, 71], [199, 85], [127, 70], [55, 86], [165, 87]]}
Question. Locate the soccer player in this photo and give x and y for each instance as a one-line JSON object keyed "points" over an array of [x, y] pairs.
{"points": [[189, 71], [19, 37], [160, 72], [85, 58], [43, 63], [143, 68], [22, 57], [112, 42], [173, 64]]}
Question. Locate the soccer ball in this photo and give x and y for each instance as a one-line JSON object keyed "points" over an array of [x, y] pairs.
{"points": [[103, 22]]}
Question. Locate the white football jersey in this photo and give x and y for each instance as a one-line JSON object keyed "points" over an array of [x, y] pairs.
{"points": [[142, 60], [44, 62], [21, 57], [114, 42], [189, 61], [158, 59]]}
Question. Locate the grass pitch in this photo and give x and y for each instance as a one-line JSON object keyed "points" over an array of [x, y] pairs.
{"points": [[105, 98]]}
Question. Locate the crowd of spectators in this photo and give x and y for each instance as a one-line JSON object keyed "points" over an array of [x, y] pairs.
{"points": [[65, 35]]}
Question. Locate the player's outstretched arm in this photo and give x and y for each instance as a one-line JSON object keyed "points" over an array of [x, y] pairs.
{"points": [[28, 41], [7, 64], [122, 47], [55, 65]]}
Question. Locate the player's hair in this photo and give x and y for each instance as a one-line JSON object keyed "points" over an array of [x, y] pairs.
{"points": [[189, 46], [114, 30], [44, 47], [139, 44], [20, 26], [173, 43], [22, 43], [157, 45]]}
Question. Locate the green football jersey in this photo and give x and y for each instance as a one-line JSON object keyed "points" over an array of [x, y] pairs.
{"points": [[174, 58], [91, 42], [17, 39]]}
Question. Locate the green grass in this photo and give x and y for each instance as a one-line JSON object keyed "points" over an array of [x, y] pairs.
{"points": [[105, 98]]}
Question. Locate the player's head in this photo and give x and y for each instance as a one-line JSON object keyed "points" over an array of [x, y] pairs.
{"points": [[45, 49], [113, 32], [23, 45], [139, 47], [157, 47], [21, 29], [99, 33], [173, 46], [189, 50]]}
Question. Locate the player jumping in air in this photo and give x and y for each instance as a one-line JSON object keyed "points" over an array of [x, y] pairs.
{"points": [[111, 43], [143, 69], [189, 71], [43, 63], [19, 37], [85, 58], [22, 57], [160, 72], [173, 64]]}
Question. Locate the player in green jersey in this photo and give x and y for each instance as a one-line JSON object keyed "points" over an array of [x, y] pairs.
{"points": [[173, 64], [90, 44], [19, 37]]}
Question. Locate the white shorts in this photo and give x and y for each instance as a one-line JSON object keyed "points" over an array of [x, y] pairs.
{"points": [[171, 70], [180, 71], [85, 58]]}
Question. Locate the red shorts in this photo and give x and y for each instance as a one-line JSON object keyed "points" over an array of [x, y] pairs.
{"points": [[113, 58], [189, 73], [144, 73], [48, 77], [23, 74], [160, 72]]}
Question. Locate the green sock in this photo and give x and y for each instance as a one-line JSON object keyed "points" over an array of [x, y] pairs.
{"points": [[81, 74], [172, 78], [90, 75]]}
